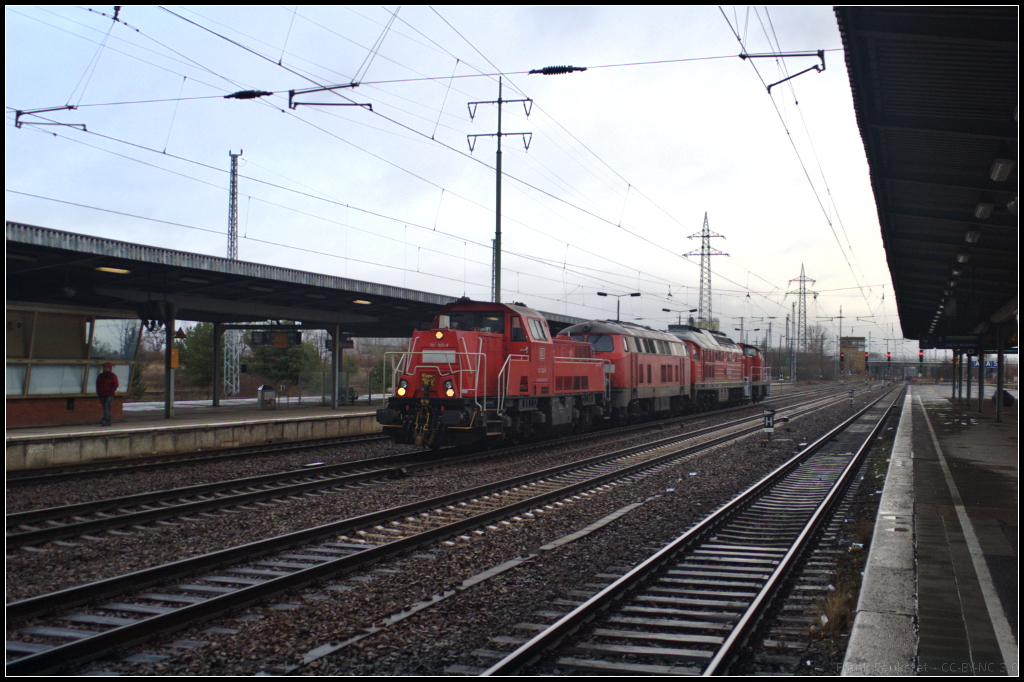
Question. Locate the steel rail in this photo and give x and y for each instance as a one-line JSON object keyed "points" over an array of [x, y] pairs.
{"points": [[81, 527], [27, 477], [719, 664], [532, 650], [98, 644]]}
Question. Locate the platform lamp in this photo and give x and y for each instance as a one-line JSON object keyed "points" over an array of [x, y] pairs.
{"points": [[618, 300], [680, 312]]}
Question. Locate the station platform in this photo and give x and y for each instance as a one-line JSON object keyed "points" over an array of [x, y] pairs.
{"points": [[195, 426], [940, 588]]}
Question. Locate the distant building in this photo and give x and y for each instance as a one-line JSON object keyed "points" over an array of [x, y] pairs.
{"points": [[853, 347]]}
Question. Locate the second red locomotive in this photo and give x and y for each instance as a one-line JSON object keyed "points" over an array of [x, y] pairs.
{"points": [[686, 369]]}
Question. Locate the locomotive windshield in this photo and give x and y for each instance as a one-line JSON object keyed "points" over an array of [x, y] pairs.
{"points": [[492, 321], [601, 343]]}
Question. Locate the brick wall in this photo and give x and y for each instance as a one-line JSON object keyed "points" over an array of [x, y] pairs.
{"points": [[55, 411]]}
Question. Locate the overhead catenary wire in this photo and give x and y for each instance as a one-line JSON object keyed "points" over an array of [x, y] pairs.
{"points": [[567, 203], [598, 279], [592, 213], [792, 142], [448, 79]]}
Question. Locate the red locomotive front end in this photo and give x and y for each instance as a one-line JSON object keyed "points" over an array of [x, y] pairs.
{"points": [[488, 371]]}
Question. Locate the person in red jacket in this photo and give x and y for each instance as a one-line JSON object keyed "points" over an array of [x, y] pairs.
{"points": [[106, 386]]}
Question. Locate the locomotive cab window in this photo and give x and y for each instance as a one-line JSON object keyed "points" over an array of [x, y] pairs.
{"points": [[601, 343], [537, 330], [517, 330], [492, 322]]}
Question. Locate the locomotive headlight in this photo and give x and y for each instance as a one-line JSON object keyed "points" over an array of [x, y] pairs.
{"points": [[438, 335], [402, 386], [449, 390]]}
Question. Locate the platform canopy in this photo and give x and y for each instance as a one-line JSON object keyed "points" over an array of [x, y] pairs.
{"points": [[935, 91], [55, 268]]}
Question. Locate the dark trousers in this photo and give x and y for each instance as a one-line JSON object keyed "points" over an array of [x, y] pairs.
{"points": [[107, 401]]}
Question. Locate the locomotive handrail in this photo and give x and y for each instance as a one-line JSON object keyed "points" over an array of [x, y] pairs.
{"points": [[503, 386], [405, 362], [476, 376]]}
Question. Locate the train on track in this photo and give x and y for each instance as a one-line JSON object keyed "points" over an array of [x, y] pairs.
{"points": [[490, 371]]}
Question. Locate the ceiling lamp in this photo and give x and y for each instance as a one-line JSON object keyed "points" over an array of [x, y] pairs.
{"points": [[983, 210], [1001, 169], [962, 257], [972, 236]]}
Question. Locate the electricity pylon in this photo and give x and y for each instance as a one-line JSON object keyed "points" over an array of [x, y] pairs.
{"points": [[801, 308], [705, 253]]}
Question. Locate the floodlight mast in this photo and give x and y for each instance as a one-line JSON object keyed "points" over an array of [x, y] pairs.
{"points": [[618, 301]]}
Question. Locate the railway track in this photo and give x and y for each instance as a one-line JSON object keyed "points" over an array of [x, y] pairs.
{"points": [[40, 526], [690, 607], [76, 472], [74, 625]]}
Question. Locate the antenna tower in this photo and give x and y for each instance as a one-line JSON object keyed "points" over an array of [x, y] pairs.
{"points": [[232, 337], [705, 253]]}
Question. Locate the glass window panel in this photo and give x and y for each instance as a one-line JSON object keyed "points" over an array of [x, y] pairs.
{"points": [[538, 329], [477, 320], [115, 339], [50, 379], [122, 372], [15, 379]]}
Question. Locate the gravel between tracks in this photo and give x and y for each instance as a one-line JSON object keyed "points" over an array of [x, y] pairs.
{"points": [[278, 634], [27, 498]]}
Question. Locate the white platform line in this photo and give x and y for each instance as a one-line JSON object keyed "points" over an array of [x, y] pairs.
{"points": [[1004, 635]]}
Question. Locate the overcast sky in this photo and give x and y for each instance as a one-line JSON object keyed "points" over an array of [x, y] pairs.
{"points": [[625, 158]]}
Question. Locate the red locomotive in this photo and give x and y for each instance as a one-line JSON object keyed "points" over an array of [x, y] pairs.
{"points": [[493, 371], [490, 370]]}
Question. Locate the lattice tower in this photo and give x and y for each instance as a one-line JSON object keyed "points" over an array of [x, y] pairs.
{"points": [[800, 321], [232, 337], [705, 253]]}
